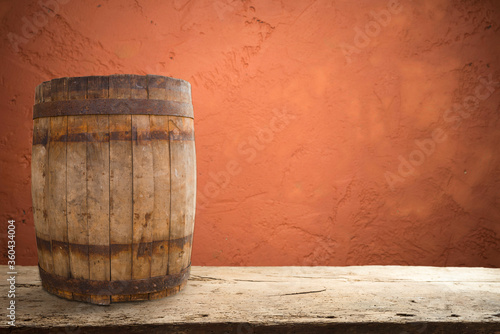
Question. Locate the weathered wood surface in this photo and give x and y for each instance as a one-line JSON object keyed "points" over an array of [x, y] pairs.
{"points": [[143, 193], [369, 299], [121, 201], [78, 232], [98, 201], [183, 193], [102, 183]]}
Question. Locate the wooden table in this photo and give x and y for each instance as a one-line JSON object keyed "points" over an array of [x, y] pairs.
{"points": [[367, 299]]}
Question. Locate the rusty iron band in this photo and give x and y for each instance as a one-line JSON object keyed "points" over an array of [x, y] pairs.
{"points": [[41, 138], [112, 107], [142, 248], [112, 288]]}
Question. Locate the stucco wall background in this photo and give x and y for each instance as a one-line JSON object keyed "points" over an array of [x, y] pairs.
{"points": [[327, 132]]}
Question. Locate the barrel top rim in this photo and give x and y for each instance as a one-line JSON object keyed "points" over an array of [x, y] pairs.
{"points": [[117, 75]]}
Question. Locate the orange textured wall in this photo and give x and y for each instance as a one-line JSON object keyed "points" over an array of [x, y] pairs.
{"points": [[327, 132]]}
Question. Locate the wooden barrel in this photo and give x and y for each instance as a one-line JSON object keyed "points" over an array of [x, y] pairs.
{"points": [[113, 186]]}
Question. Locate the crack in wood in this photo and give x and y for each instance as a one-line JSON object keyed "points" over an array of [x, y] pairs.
{"points": [[256, 281], [301, 293], [405, 315], [204, 278]]}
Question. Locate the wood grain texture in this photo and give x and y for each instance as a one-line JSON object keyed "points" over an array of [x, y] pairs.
{"points": [[77, 217], [59, 89], [76, 188], [98, 87], [39, 192], [121, 203], [161, 205], [77, 88], [98, 188], [98, 200], [143, 199], [119, 86], [56, 206], [178, 90], [157, 87], [121, 200], [183, 191], [46, 91], [367, 299], [143, 186], [161, 166], [46, 260]]}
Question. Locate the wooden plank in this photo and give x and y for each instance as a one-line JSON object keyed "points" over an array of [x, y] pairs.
{"points": [[363, 299], [57, 187], [57, 198], [138, 87], [78, 235], [78, 232], [77, 88], [120, 206], [59, 89], [47, 261], [38, 157], [143, 187], [98, 87], [38, 94], [161, 207], [183, 191], [176, 91], [98, 188], [46, 91], [39, 190], [161, 167], [98, 200], [156, 87], [143, 199], [119, 86], [190, 151]]}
